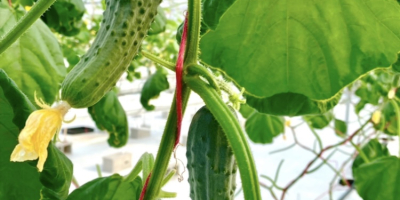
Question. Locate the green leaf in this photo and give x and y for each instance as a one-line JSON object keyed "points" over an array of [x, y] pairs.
{"points": [[213, 10], [160, 22], [340, 128], [152, 88], [309, 48], [246, 110], [65, 16], [359, 106], [22, 107], [388, 122], [34, 61], [56, 176], [19, 180], [368, 94], [112, 187], [291, 104], [262, 128], [379, 179], [373, 150], [109, 115], [319, 121]]}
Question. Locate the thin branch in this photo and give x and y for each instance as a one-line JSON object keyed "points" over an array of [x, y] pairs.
{"points": [[316, 136], [269, 189], [319, 156], [283, 149]]}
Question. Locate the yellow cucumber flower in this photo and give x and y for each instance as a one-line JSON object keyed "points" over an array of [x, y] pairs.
{"points": [[40, 128]]}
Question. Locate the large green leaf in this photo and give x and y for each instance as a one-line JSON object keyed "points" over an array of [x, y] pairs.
{"points": [[112, 187], [17, 180], [379, 179], [373, 150], [34, 61], [213, 10], [152, 88], [109, 115], [262, 128], [309, 48]]}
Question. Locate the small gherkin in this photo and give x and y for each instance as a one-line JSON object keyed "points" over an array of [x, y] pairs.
{"points": [[211, 163]]}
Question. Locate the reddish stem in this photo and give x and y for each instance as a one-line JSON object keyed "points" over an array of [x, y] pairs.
{"points": [[179, 72], [10, 3], [145, 187]]}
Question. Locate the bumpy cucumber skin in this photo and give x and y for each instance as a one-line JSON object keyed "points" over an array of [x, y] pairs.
{"points": [[124, 26], [211, 163]]}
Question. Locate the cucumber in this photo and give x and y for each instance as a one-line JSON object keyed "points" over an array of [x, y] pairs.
{"points": [[124, 26], [109, 115], [211, 163]]}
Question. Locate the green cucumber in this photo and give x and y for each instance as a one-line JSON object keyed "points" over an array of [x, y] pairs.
{"points": [[211, 163], [109, 115], [124, 26]]}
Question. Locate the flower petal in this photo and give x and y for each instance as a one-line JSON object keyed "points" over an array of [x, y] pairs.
{"points": [[20, 154], [42, 159]]}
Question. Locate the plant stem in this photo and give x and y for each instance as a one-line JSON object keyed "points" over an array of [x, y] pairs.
{"points": [[98, 170], [24, 23], [169, 136], [158, 60], [166, 146], [75, 182], [194, 24], [234, 134]]}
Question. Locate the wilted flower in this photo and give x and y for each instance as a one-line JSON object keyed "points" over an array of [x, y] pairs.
{"points": [[40, 128]]}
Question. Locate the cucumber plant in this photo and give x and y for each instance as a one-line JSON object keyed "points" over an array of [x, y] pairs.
{"points": [[288, 61]]}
